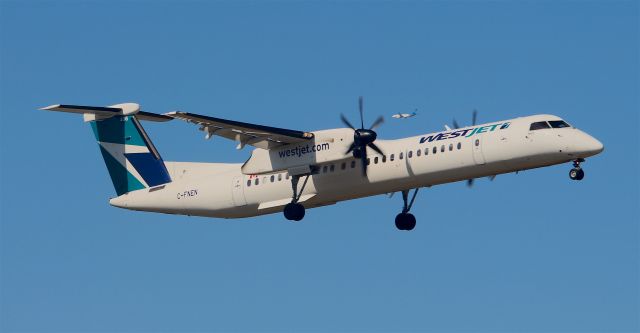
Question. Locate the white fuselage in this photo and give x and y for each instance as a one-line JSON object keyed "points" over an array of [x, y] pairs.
{"points": [[223, 190]]}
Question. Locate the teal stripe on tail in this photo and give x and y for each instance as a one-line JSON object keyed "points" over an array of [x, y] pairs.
{"points": [[131, 158]]}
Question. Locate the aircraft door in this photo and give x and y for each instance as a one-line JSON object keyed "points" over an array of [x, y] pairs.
{"points": [[237, 190], [478, 156]]}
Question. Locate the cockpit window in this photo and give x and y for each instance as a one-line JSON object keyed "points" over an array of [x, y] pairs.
{"points": [[539, 125], [558, 124]]}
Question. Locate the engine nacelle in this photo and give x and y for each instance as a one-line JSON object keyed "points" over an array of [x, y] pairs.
{"points": [[326, 146]]}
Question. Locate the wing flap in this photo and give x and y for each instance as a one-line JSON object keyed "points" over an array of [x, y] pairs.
{"points": [[259, 136]]}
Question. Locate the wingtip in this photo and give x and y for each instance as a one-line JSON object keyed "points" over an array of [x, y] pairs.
{"points": [[50, 107]]}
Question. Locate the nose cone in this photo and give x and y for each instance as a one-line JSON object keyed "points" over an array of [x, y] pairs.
{"points": [[586, 146], [596, 147]]}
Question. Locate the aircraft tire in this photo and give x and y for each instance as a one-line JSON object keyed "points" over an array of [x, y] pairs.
{"points": [[405, 221], [294, 212], [576, 174], [410, 222], [399, 222]]}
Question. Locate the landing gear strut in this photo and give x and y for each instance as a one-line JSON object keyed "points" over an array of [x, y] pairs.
{"points": [[294, 211], [406, 220], [577, 173]]}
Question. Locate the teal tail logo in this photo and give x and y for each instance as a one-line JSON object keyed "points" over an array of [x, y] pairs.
{"points": [[132, 160]]}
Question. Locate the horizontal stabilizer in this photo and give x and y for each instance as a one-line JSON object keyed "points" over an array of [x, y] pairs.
{"points": [[148, 116], [99, 112]]}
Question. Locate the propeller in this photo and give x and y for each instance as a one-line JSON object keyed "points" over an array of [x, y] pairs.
{"points": [[362, 137], [474, 117]]}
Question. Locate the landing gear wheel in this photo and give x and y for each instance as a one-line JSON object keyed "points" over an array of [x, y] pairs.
{"points": [[576, 174], [405, 221], [399, 222], [294, 212]]}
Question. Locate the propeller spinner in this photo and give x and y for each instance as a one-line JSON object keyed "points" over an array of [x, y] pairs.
{"points": [[362, 137]]}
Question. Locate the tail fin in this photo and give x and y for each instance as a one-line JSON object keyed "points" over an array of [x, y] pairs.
{"points": [[131, 158]]}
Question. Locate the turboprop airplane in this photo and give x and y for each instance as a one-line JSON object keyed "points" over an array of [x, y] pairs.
{"points": [[404, 115], [290, 170]]}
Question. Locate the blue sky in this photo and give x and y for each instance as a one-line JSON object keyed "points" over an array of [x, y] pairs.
{"points": [[533, 252]]}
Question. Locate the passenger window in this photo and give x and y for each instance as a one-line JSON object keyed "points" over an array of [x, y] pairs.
{"points": [[256, 182], [248, 182], [558, 124], [343, 166], [273, 178], [435, 149], [384, 158], [279, 177], [332, 168], [426, 151], [539, 125], [459, 145], [442, 149], [287, 176], [401, 155], [477, 142], [418, 152], [375, 160], [353, 164], [391, 157], [368, 161], [451, 147], [325, 168]]}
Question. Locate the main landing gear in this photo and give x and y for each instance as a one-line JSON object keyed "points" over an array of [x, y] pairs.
{"points": [[294, 211], [577, 173], [406, 220]]}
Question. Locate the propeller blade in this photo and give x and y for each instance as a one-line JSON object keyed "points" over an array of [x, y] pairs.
{"points": [[353, 145], [363, 160], [470, 182], [455, 124], [374, 147], [361, 107], [346, 122], [474, 117], [377, 123]]}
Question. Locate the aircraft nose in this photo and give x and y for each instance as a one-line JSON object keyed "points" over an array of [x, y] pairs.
{"points": [[588, 146], [595, 146]]}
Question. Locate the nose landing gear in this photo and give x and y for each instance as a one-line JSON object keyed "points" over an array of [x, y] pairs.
{"points": [[577, 173], [405, 220], [294, 211]]}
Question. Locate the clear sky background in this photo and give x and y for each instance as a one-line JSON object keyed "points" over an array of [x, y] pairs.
{"points": [[533, 252]]}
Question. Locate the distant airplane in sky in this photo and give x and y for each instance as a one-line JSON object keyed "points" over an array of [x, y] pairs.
{"points": [[334, 165], [404, 115]]}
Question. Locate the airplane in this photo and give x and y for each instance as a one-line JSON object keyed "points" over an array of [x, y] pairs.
{"points": [[290, 171], [404, 115]]}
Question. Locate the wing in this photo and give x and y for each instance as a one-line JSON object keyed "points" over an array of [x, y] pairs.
{"points": [[259, 136]]}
